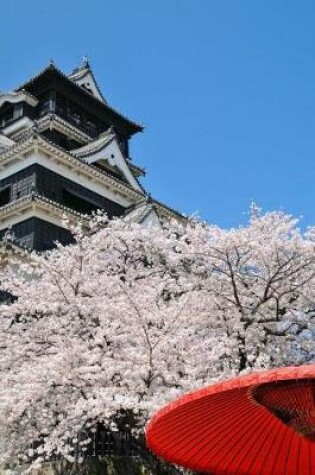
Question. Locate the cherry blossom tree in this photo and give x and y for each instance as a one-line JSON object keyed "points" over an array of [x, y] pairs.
{"points": [[261, 281], [107, 330]]}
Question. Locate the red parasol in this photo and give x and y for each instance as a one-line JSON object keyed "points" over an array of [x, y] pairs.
{"points": [[261, 424]]}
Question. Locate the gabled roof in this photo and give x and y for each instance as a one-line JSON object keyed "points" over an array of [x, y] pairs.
{"points": [[141, 212], [101, 142], [51, 71], [84, 77], [105, 152], [145, 208], [96, 145], [16, 97]]}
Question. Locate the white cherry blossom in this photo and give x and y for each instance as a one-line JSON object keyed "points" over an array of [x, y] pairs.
{"points": [[111, 328]]}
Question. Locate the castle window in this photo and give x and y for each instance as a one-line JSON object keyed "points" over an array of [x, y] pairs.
{"points": [[78, 203], [5, 195], [7, 117], [23, 187]]}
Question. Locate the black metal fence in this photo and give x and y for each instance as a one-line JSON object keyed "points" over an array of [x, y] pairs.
{"points": [[103, 443]]}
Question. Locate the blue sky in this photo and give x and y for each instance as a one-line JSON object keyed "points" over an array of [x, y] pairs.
{"points": [[226, 90]]}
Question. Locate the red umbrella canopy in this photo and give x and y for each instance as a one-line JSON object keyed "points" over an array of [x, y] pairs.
{"points": [[261, 424]]}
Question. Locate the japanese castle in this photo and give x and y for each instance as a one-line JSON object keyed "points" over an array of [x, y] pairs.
{"points": [[64, 153]]}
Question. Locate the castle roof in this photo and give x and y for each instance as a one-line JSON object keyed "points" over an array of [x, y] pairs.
{"points": [[74, 82]]}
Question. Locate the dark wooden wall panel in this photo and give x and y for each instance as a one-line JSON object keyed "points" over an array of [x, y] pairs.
{"points": [[52, 185], [39, 235]]}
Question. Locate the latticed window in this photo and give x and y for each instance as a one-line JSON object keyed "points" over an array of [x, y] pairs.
{"points": [[23, 187]]}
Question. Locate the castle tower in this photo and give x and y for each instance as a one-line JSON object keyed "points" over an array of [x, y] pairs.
{"points": [[64, 152]]}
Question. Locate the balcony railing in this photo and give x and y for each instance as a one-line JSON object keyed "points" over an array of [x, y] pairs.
{"points": [[78, 121]]}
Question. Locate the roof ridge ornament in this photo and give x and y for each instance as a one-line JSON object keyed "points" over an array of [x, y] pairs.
{"points": [[85, 61]]}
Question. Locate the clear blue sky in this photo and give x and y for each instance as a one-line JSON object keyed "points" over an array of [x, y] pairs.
{"points": [[226, 90]]}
